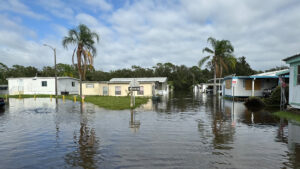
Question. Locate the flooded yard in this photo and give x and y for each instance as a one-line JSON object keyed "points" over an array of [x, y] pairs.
{"points": [[181, 131]]}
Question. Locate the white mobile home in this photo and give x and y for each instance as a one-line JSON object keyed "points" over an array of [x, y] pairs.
{"points": [[42, 85], [3, 89], [254, 85], [294, 87]]}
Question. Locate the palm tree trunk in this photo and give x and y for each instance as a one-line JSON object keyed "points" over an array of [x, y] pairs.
{"points": [[80, 86], [215, 81], [79, 52]]}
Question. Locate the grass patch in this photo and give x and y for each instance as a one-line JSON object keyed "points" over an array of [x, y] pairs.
{"points": [[114, 102], [288, 115], [108, 102]]}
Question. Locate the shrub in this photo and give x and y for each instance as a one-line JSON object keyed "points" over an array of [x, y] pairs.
{"points": [[275, 97]]}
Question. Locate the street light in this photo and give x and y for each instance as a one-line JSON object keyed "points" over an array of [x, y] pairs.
{"points": [[54, 50]]}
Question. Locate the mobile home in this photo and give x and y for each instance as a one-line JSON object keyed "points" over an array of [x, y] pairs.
{"points": [[97, 88], [119, 87], [42, 85], [3, 89], [254, 85], [294, 87], [150, 86]]}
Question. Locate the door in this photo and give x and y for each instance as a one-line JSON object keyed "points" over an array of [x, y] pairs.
{"points": [[20, 86], [105, 90]]}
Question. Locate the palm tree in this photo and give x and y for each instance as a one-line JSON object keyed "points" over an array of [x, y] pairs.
{"points": [[84, 39], [221, 57]]}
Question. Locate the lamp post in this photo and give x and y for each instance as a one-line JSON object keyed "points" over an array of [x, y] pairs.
{"points": [[54, 51]]}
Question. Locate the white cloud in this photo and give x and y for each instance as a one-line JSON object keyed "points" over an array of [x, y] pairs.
{"points": [[86, 19], [102, 4], [18, 7], [58, 8], [147, 32]]}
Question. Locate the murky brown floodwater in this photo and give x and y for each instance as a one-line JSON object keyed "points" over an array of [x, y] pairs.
{"points": [[182, 131]]}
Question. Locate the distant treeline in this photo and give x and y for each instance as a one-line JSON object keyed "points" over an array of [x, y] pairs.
{"points": [[180, 77]]}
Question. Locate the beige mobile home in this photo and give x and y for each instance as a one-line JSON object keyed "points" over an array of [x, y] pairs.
{"points": [[119, 87], [95, 88], [150, 86]]}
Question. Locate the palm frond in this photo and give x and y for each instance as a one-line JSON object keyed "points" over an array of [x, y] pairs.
{"points": [[73, 33], [212, 41], [95, 35], [206, 49], [73, 56], [202, 61], [67, 41], [231, 61]]}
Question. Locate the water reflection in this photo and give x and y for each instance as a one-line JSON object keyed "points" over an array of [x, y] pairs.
{"points": [[86, 154], [294, 143], [133, 123], [183, 130]]}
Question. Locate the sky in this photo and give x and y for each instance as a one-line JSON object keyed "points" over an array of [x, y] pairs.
{"points": [[146, 32]]}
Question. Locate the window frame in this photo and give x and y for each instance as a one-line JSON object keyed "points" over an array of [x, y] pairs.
{"points": [[141, 92], [298, 75], [44, 82], [73, 84], [118, 92], [89, 85]]}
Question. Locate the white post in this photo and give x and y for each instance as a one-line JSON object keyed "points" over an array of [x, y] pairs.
{"points": [[253, 83], [219, 87], [131, 99]]}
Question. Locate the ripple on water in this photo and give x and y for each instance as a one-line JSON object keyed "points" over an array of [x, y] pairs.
{"points": [[184, 132]]}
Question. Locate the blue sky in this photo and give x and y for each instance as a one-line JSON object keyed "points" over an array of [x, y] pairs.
{"points": [[146, 32]]}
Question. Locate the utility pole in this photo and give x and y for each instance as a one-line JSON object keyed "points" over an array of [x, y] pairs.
{"points": [[54, 51]]}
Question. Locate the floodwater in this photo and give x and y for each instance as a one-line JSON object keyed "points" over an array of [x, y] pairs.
{"points": [[181, 131]]}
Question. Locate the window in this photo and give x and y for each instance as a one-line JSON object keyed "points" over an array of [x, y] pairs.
{"points": [[257, 85], [117, 90], [89, 85], [228, 84], [105, 90], [298, 75], [141, 92], [73, 84], [3, 88], [44, 83]]}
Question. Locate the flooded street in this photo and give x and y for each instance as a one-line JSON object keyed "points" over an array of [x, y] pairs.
{"points": [[181, 131]]}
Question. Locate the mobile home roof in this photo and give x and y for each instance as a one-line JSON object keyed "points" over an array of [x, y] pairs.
{"points": [[141, 79], [66, 77]]}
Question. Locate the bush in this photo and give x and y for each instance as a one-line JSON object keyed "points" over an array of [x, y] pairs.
{"points": [[275, 97]]}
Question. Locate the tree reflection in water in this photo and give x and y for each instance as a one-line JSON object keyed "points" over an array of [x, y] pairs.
{"points": [[85, 154], [222, 125]]}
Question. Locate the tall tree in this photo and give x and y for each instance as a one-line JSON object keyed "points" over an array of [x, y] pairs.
{"points": [[3, 72], [220, 55], [84, 39], [243, 68]]}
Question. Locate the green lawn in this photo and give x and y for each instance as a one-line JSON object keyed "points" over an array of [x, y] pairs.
{"points": [[108, 102], [288, 115]]}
